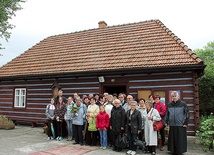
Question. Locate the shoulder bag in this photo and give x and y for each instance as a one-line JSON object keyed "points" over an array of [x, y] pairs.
{"points": [[157, 125]]}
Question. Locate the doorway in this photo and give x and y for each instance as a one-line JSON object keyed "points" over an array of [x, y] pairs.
{"points": [[111, 89]]}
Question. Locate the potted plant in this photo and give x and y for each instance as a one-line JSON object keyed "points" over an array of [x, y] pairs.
{"points": [[3, 119], [9, 125]]}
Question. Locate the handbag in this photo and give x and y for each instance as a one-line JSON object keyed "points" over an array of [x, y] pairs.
{"points": [[157, 125], [92, 124], [121, 140]]}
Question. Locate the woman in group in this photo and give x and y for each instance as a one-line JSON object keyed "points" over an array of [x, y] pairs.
{"points": [[133, 126], [117, 123], [59, 115], [150, 134], [50, 117], [78, 117], [68, 118], [92, 112], [142, 109]]}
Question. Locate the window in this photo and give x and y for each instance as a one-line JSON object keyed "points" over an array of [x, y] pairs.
{"points": [[20, 97]]}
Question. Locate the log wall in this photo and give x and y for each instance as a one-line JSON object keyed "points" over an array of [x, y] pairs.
{"points": [[39, 92]]}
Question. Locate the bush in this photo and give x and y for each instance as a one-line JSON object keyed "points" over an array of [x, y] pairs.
{"points": [[206, 132]]}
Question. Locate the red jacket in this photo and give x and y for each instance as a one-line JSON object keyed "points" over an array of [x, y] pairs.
{"points": [[161, 108], [102, 120]]}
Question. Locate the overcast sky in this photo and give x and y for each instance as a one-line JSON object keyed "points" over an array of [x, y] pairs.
{"points": [[191, 20]]}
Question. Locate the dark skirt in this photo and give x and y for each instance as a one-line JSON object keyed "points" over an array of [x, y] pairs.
{"points": [[177, 140]]}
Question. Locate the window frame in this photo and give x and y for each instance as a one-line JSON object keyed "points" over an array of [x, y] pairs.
{"points": [[167, 90], [15, 97]]}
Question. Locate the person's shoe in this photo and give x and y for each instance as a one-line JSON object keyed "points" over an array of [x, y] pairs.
{"points": [[49, 138], [161, 148], [129, 152], [68, 138], [101, 147], [104, 148], [133, 153], [153, 153], [75, 143], [119, 149], [114, 148], [57, 138], [81, 144], [52, 138], [60, 138]]}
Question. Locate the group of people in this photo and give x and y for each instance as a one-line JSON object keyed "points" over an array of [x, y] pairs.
{"points": [[102, 119]]}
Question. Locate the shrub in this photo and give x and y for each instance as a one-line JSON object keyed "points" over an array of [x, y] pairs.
{"points": [[8, 123], [206, 132]]}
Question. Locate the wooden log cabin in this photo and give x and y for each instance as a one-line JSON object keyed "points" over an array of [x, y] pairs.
{"points": [[139, 59]]}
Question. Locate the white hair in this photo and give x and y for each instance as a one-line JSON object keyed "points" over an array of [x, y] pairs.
{"points": [[117, 101], [174, 93]]}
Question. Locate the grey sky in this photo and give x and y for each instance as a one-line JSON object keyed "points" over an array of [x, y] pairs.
{"points": [[191, 20]]}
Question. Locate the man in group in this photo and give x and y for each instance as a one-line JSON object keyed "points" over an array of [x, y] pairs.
{"points": [[122, 99], [177, 117], [126, 106], [75, 97], [60, 95]]}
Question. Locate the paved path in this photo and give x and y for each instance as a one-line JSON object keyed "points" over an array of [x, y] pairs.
{"points": [[24, 140]]}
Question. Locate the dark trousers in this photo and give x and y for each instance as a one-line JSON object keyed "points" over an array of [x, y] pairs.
{"points": [[141, 135], [77, 132], [108, 135], [132, 138], [113, 137], [91, 137], [162, 133], [151, 148], [59, 128], [49, 128]]}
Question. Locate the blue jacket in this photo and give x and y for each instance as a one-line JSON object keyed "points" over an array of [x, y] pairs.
{"points": [[177, 113], [78, 120]]}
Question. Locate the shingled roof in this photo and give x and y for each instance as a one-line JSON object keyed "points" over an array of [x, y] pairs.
{"points": [[137, 45]]}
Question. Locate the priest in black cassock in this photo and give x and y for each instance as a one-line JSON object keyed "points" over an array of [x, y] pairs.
{"points": [[177, 118]]}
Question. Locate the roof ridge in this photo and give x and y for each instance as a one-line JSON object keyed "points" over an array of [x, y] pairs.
{"points": [[112, 26], [179, 41]]}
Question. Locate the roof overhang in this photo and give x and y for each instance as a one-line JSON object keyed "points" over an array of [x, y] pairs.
{"points": [[199, 68]]}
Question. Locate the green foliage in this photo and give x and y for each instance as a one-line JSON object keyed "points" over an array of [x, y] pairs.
{"points": [[206, 82], [8, 123], [206, 132], [74, 109], [3, 117], [7, 11]]}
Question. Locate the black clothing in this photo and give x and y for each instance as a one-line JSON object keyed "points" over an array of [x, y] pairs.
{"points": [[117, 120], [59, 128], [133, 121], [56, 100], [177, 116], [90, 137], [77, 131], [177, 141]]}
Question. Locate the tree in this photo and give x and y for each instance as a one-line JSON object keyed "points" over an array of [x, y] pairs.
{"points": [[7, 11], [206, 82]]}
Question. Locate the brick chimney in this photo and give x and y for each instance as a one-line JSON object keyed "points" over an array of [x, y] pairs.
{"points": [[102, 24]]}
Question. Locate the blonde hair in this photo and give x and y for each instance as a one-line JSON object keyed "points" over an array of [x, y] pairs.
{"points": [[149, 103]]}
